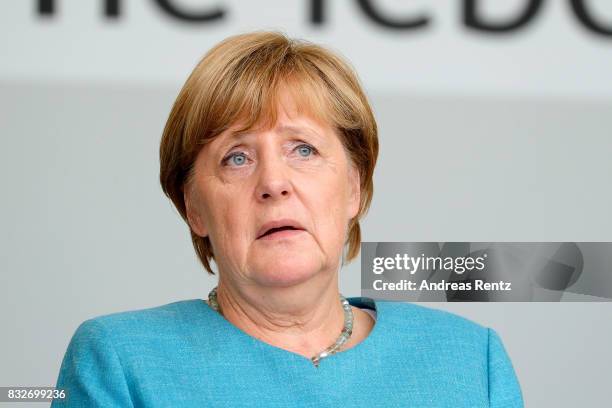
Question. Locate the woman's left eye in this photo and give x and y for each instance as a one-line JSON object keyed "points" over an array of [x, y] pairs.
{"points": [[305, 150]]}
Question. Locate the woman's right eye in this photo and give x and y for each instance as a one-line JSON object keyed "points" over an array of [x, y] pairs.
{"points": [[235, 159]]}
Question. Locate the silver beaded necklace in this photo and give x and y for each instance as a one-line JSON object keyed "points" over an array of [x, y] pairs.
{"points": [[345, 334]]}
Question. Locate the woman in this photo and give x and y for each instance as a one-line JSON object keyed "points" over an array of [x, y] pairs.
{"points": [[268, 155]]}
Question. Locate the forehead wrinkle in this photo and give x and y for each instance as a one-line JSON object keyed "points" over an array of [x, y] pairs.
{"points": [[299, 130]]}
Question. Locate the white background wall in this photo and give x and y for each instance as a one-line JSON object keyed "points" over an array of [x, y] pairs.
{"points": [[483, 138]]}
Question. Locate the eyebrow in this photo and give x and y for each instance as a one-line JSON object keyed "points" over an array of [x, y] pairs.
{"points": [[237, 136], [231, 138]]}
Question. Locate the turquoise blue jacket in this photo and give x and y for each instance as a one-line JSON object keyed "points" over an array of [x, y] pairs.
{"points": [[184, 354]]}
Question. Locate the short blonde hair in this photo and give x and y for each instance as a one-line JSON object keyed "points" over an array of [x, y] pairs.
{"points": [[239, 79]]}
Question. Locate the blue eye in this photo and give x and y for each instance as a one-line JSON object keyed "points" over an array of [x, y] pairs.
{"points": [[305, 150], [237, 159]]}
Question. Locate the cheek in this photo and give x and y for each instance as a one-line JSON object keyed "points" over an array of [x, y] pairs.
{"points": [[227, 212], [329, 204]]}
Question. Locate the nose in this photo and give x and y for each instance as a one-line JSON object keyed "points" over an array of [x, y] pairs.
{"points": [[273, 181]]}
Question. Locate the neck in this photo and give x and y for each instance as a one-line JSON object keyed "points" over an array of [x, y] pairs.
{"points": [[304, 318]]}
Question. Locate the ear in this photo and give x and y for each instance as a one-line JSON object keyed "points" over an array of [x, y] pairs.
{"points": [[354, 192], [192, 210]]}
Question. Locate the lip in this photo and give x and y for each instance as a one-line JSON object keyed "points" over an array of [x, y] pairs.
{"points": [[281, 235], [284, 222]]}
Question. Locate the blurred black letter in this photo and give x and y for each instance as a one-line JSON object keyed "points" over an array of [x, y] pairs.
{"points": [[371, 12], [316, 11], [47, 8], [472, 20], [174, 11], [585, 18]]}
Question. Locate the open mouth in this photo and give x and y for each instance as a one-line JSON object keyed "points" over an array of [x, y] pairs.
{"points": [[280, 232]]}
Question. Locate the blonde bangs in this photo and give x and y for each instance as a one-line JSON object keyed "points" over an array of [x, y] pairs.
{"points": [[249, 95]]}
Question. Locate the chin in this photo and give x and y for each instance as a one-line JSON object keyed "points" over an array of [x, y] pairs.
{"points": [[287, 272]]}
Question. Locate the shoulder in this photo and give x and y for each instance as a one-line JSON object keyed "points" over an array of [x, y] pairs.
{"points": [[159, 316], [119, 338], [105, 351], [428, 334], [429, 323], [142, 326], [460, 349]]}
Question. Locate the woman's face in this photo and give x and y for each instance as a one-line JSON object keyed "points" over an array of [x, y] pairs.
{"points": [[296, 173]]}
